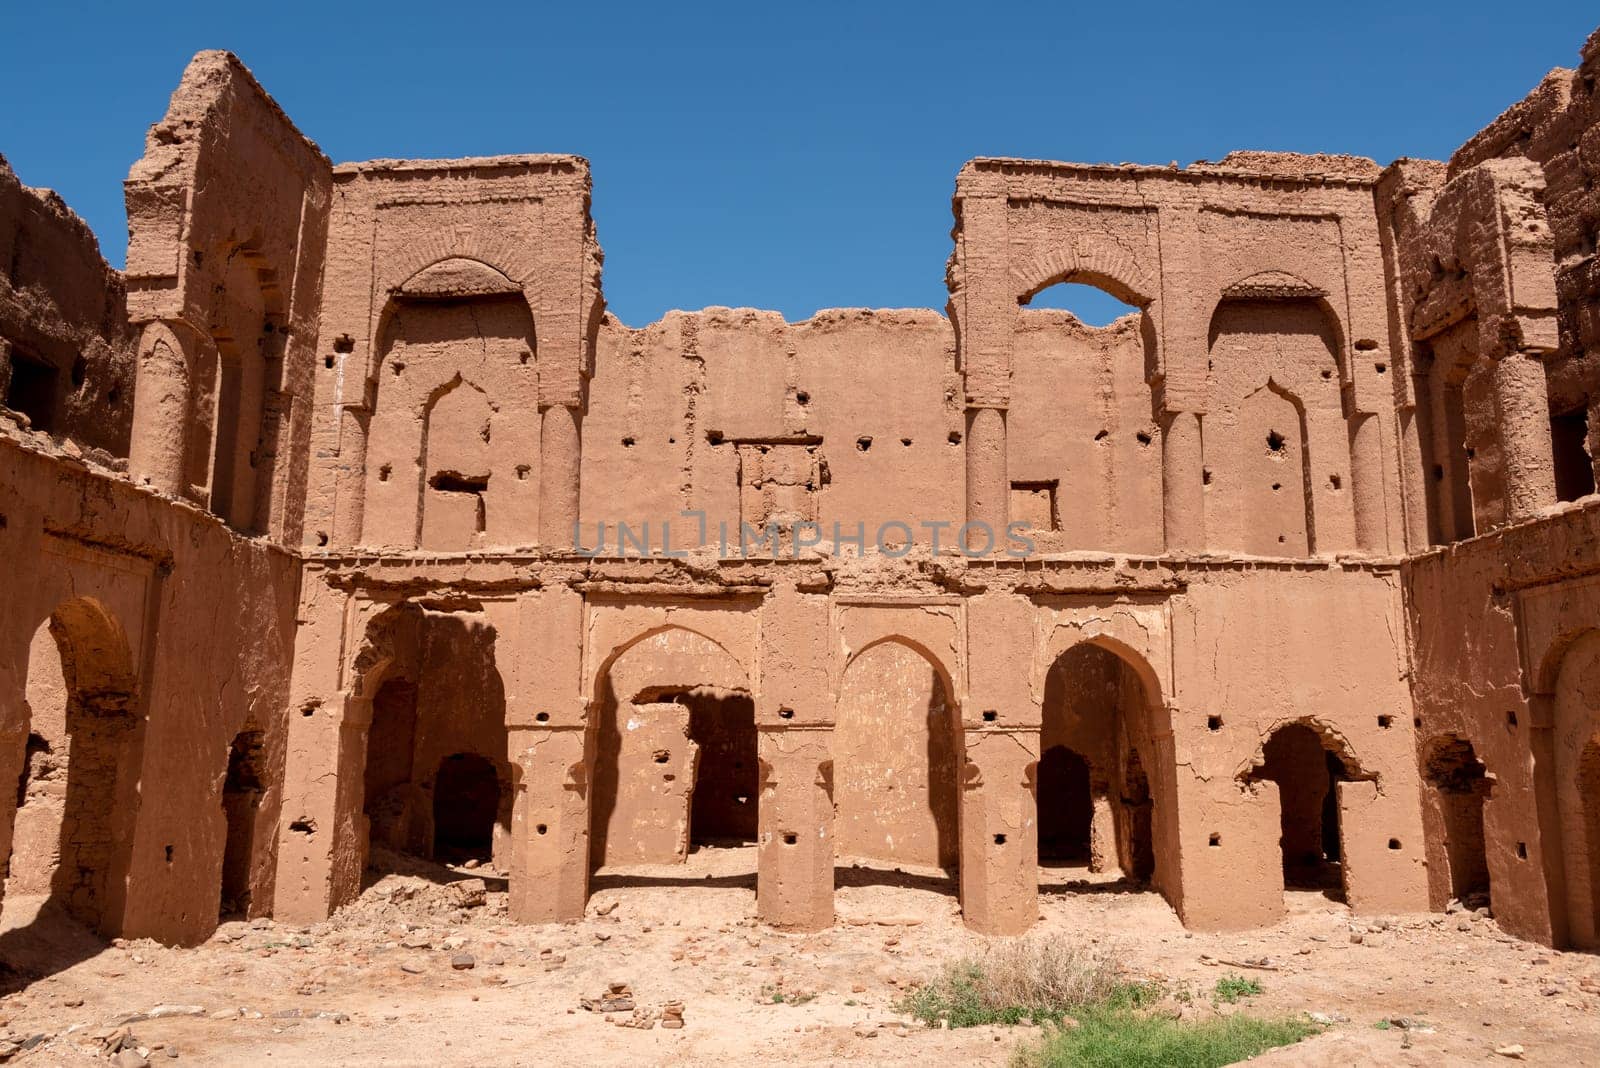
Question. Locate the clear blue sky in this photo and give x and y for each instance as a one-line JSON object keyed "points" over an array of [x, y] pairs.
{"points": [[794, 156]]}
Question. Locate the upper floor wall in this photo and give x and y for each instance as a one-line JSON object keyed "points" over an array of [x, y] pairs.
{"points": [[457, 344], [1314, 363], [1264, 336], [66, 351]]}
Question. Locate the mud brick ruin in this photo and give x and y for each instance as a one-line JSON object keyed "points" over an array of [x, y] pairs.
{"points": [[288, 514]]}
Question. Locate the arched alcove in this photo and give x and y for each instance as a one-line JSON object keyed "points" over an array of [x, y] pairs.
{"points": [[80, 688], [896, 753], [1277, 433], [452, 445], [675, 751]]}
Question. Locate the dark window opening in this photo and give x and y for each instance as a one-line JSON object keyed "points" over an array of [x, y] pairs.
{"points": [[33, 390], [1066, 806], [241, 798], [1569, 446]]}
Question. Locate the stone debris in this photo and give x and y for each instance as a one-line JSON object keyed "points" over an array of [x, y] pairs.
{"points": [[617, 998]]}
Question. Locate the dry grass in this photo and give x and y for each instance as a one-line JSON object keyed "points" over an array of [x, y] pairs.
{"points": [[1037, 977]]}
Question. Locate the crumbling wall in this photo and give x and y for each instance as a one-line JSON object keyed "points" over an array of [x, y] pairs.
{"points": [[846, 418], [205, 622], [457, 331], [1261, 304], [1558, 127], [66, 352], [227, 225], [1339, 670], [1493, 622]]}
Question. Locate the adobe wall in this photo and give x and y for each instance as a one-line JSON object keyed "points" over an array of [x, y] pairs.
{"points": [[227, 224], [1300, 608], [66, 351], [1492, 266], [189, 628]]}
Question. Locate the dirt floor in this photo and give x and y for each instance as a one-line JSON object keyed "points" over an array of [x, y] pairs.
{"points": [[426, 972]]}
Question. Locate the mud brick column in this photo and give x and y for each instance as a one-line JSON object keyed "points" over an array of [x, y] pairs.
{"points": [[557, 297], [550, 824], [795, 704], [987, 321], [1183, 483], [1232, 864], [1381, 851], [322, 836], [322, 831], [999, 836], [1000, 718], [162, 402], [1523, 411], [794, 884], [1547, 806], [1367, 476], [550, 747], [350, 485], [560, 455]]}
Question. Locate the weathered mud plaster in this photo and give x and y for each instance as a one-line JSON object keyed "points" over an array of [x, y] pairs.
{"points": [[416, 547]]}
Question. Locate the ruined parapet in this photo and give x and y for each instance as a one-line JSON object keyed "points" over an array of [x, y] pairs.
{"points": [[227, 221], [429, 259], [1209, 254], [1557, 127], [66, 353], [1474, 287]]}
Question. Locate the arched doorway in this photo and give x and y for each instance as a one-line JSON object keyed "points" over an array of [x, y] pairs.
{"points": [[675, 752], [466, 806], [241, 800], [81, 689], [1092, 786], [1577, 774], [1307, 766], [1458, 786], [435, 744], [896, 746]]}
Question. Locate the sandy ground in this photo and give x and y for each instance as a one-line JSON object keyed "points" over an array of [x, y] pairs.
{"points": [[378, 984]]}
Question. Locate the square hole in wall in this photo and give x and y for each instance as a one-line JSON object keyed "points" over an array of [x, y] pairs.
{"points": [[1386, 722], [1034, 504]]}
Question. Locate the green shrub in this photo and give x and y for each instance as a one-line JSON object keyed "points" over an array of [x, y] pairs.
{"points": [[1231, 988], [1118, 1038]]}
